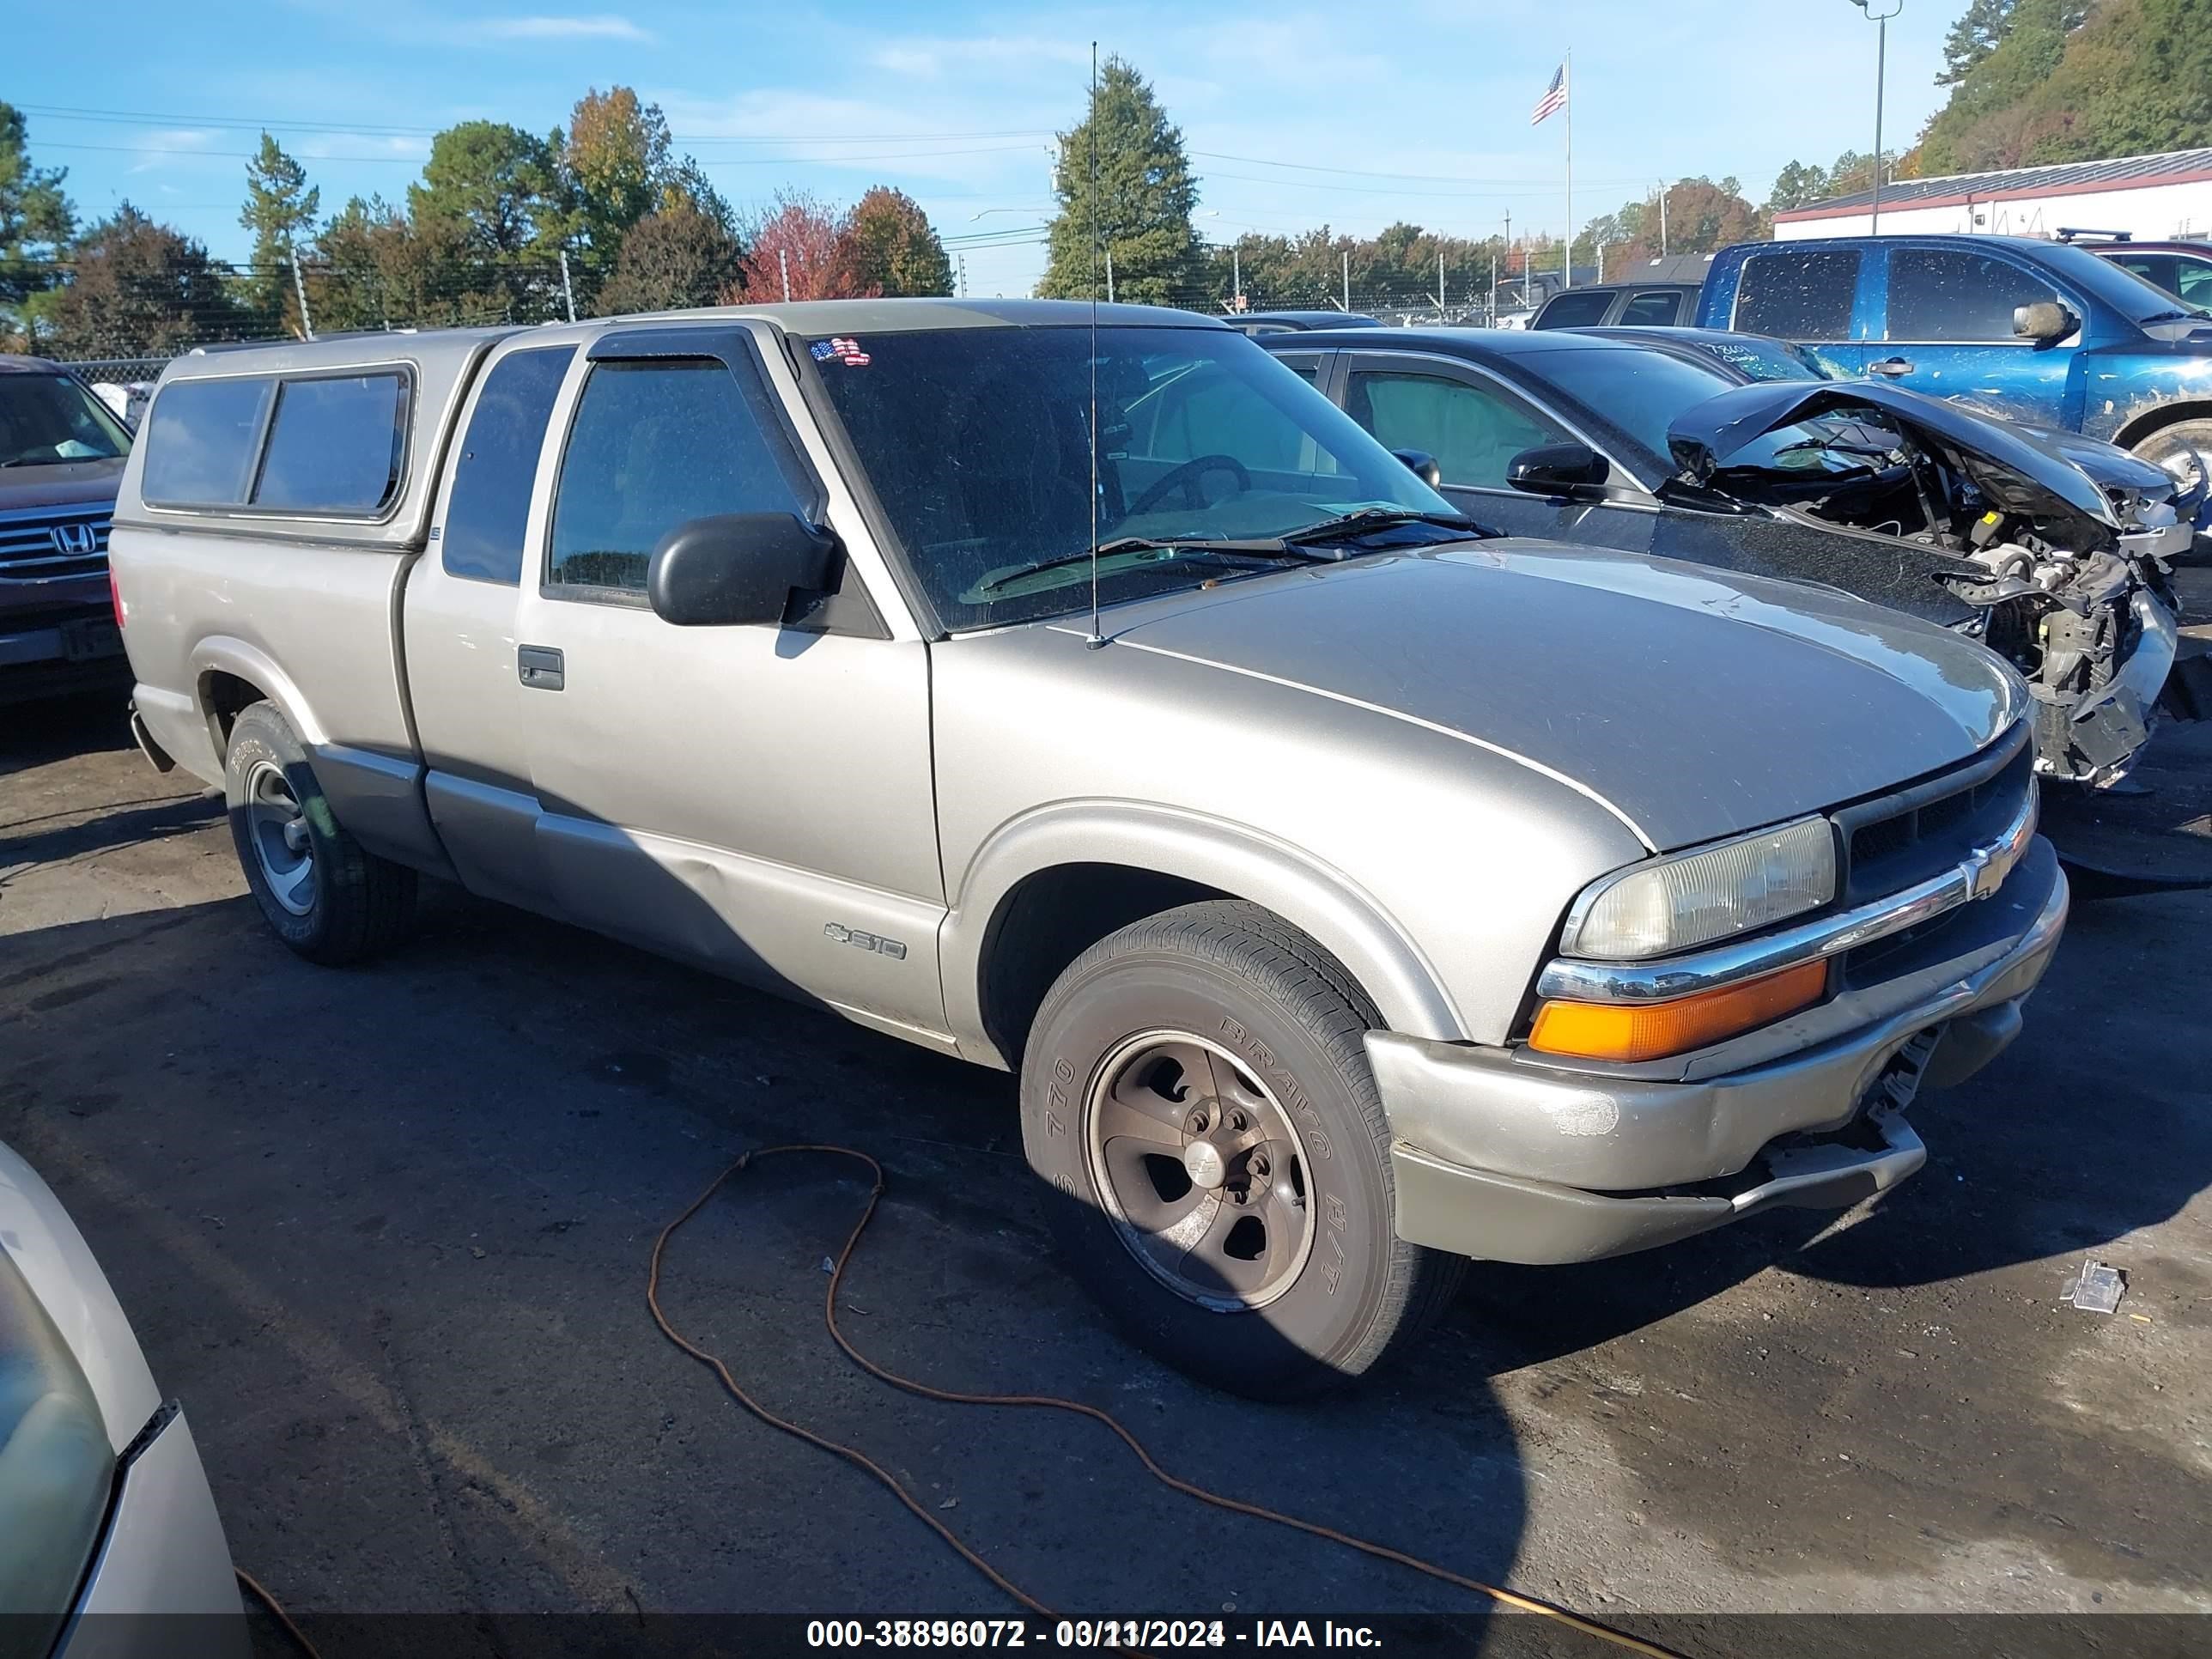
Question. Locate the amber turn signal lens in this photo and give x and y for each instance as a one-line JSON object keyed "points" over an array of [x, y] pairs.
{"points": [[1652, 1030]]}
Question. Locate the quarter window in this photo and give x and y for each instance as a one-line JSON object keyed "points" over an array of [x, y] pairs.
{"points": [[1940, 294], [657, 443], [337, 445], [1473, 431], [488, 513], [200, 440], [1798, 296]]}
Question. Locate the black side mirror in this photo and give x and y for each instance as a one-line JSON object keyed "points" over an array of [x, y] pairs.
{"points": [[1556, 469], [2044, 321], [738, 568], [1423, 465]]}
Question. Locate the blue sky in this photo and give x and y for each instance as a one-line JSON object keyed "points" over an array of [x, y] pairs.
{"points": [[1295, 116]]}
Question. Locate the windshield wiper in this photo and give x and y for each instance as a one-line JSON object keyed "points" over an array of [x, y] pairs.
{"points": [[2194, 314], [1351, 525], [1260, 547]]}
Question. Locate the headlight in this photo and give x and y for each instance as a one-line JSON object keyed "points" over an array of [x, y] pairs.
{"points": [[1672, 904], [56, 1467]]}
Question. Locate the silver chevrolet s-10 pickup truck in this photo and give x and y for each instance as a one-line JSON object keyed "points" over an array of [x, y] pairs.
{"points": [[1077, 691]]}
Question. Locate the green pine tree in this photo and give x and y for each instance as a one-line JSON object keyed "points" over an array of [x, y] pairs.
{"points": [[1125, 190], [280, 211]]}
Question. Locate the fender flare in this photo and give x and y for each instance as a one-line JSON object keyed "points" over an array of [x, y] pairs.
{"points": [[222, 653], [1322, 900]]}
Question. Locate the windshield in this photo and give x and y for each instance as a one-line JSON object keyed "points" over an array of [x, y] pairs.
{"points": [[2125, 292], [1757, 359], [1639, 392], [1642, 393], [49, 419], [975, 442]]}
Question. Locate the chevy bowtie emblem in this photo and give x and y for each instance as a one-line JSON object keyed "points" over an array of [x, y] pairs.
{"points": [[76, 538]]}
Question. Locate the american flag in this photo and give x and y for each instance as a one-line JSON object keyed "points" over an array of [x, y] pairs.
{"points": [[1554, 99]]}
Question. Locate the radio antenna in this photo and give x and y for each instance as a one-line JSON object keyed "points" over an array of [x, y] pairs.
{"points": [[1098, 258]]}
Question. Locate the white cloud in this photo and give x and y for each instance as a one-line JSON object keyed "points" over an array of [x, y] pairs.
{"points": [[605, 26]]}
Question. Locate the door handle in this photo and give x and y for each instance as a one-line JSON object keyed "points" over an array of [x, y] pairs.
{"points": [[1891, 365], [539, 667]]}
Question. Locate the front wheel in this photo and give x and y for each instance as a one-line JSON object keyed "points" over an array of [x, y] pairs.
{"points": [[327, 896], [1196, 1093], [2183, 449]]}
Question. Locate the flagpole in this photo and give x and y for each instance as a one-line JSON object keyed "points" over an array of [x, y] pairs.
{"points": [[1569, 280]]}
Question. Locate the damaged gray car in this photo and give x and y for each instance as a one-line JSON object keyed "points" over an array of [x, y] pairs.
{"points": [[2053, 549]]}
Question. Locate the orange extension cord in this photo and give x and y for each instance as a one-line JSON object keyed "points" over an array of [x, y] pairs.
{"points": [[861, 1460]]}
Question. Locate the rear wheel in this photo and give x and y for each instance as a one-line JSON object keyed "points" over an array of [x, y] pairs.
{"points": [[324, 895], [1196, 1092]]}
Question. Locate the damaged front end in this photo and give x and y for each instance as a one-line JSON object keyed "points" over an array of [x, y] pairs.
{"points": [[2058, 546]]}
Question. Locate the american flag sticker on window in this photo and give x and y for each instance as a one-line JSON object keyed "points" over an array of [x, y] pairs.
{"points": [[841, 350]]}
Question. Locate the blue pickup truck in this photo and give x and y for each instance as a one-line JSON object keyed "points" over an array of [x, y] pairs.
{"points": [[2039, 331]]}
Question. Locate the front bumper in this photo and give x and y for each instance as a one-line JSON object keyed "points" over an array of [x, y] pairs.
{"points": [[1507, 1161]]}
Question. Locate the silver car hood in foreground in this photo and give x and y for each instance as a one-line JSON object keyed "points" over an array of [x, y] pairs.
{"points": [[1696, 705]]}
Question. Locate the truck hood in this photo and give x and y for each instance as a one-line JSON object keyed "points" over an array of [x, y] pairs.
{"points": [[1696, 705], [2021, 474]]}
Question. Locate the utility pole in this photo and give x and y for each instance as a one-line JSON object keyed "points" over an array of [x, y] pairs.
{"points": [[568, 289], [1663, 218], [964, 276], [1109, 275], [783, 269], [1237, 275], [1490, 311], [1440, 285], [1509, 262], [300, 290], [1348, 279]]}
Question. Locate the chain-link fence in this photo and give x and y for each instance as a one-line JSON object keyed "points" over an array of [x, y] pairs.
{"points": [[122, 326]]}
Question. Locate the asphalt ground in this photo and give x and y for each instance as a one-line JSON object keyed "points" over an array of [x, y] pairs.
{"points": [[385, 1233]]}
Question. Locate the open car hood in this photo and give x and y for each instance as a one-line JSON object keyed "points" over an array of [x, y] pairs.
{"points": [[2015, 473]]}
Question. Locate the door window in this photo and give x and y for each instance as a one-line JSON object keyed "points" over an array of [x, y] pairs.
{"points": [[1798, 296], [1574, 310], [1658, 310], [1473, 431], [657, 442], [2156, 269], [1946, 294], [487, 515], [2193, 280]]}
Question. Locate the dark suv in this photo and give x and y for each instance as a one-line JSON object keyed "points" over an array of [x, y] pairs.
{"points": [[1624, 305], [61, 455]]}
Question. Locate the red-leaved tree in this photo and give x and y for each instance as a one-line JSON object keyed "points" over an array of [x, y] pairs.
{"points": [[804, 250]]}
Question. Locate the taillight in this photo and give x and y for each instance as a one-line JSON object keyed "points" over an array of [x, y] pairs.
{"points": [[115, 599]]}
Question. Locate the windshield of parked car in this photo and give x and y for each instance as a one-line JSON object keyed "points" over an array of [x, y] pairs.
{"points": [[976, 442], [1756, 359], [1642, 393], [46, 420]]}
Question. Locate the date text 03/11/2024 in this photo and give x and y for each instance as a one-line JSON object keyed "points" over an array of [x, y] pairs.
{"points": [[1088, 1634]]}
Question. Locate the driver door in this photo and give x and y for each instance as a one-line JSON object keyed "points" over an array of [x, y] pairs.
{"points": [[755, 799]]}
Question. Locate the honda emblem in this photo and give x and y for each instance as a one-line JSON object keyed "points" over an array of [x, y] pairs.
{"points": [[77, 539]]}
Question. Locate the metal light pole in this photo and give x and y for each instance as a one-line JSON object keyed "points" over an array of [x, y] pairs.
{"points": [[1880, 20]]}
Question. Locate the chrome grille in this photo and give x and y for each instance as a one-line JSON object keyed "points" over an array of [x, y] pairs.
{"points": [[54, 545]]}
